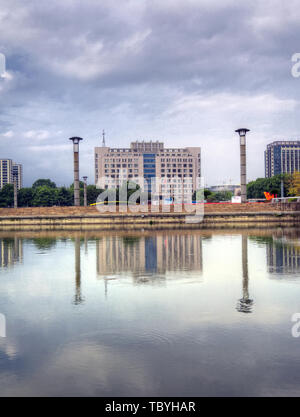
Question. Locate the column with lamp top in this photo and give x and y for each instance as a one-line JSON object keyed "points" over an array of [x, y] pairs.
{"points": [[242, 133], [76, 141]]}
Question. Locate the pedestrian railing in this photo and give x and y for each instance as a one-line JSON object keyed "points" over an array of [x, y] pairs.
{"points": [[286, 199]]}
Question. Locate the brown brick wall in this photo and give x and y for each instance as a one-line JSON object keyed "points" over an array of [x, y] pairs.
{"points": [[78, 211]]}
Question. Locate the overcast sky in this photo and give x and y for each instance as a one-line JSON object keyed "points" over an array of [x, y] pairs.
{"points": [[186, 72]]}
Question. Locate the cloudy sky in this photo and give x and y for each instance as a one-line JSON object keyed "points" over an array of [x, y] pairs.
{"points": [[186, 72]]}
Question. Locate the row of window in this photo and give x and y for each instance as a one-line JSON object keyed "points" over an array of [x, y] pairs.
{"points": [[163, 186], [113, 172], [119, 165], [180, 186], [177, 160], [178, 175], [178, 157], [176, 170], [177, 165], [115, 160]]}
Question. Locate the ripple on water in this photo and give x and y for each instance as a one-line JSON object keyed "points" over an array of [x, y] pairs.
{"points": [[143, 338]]}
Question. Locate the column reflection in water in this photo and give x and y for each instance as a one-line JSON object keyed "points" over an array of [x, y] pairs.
{"points": [[78, 299], [245, 303], [85, 245], [11, 251]]}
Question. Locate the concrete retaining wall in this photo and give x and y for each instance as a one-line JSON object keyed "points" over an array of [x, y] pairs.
{"points": [[149, 221]]}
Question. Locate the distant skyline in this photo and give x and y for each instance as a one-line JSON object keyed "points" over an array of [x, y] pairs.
{"points": [[185, 72]]}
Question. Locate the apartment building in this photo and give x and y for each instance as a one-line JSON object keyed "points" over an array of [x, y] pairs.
{"points": [[6, 172], [145, 161], [282, 157], [18, 174], [10, 171]]}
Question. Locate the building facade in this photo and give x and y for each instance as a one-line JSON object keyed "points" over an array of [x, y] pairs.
{"points": [[18, 175], [6, 172], [144, 161], [10, 171], [282, 157]]}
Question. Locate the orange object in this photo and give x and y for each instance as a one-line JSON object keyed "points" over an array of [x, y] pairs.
{"points": [[268, 196]]}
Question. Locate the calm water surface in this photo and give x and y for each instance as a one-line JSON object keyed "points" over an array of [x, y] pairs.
{"points": [[150, 314]]}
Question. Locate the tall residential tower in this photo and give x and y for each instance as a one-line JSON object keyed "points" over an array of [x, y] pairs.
{"points": [[10, 171], [282, 157]]}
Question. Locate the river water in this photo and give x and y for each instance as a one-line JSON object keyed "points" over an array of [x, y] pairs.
{"points": [[181, 313]]}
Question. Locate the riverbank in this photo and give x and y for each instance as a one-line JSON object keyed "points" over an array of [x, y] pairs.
{"points": [[92, 210], [88, 218]]}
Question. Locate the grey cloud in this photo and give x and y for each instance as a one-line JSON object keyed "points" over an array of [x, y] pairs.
{"points": [[79, 67]]}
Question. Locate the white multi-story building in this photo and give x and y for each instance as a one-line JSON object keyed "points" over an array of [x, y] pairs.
{"points": [[147, 160], [10, 171]]}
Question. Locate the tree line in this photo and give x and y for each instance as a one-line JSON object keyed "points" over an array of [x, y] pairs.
{"points": [[45, 193], [291, 186]]}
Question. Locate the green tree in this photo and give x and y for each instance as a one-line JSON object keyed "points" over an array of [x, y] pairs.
{"points": [[223, 195], [294, 188], [256, 189], [44, 182], [7, 196], [64, 197], [211, 198], [25, 196], [215, 197], [44, 196], [207, 193], [81, 183], [92, 194]]}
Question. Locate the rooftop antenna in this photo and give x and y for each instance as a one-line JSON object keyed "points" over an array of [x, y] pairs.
{"points": [[103, 140]]}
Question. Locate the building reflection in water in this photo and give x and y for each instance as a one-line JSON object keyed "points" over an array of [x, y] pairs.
{"points": [[283, 256], [148, 258], [11, 251], [78, 299], [245, 303]]}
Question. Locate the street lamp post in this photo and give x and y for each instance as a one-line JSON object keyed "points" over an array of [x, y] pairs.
{"points": [[76, 141], [242, 133], [15, 192], [85, 191]]}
